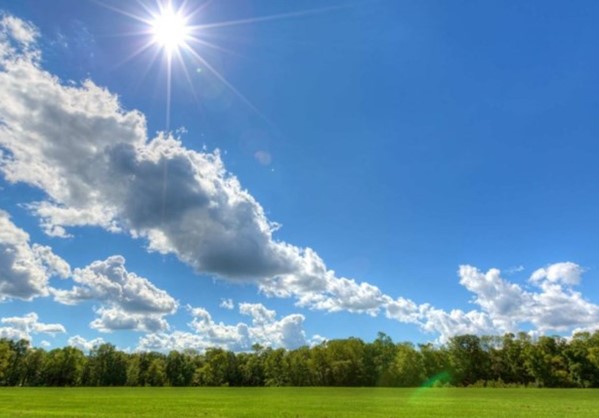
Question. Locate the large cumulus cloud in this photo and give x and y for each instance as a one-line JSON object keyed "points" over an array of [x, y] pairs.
{"points": [[97, 166]]}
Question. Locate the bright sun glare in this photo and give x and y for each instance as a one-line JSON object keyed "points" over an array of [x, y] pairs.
{"points": [[170, 30]]}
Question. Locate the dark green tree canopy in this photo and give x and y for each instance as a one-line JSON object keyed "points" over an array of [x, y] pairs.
{"points": [[465, 360]]}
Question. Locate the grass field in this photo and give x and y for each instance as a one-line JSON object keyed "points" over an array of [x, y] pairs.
{"points": [[296, 402]]}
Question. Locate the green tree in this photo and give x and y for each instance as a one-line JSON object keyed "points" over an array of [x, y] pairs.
{"points": [[251, 366], [156, 375], [134, 370], [320, 368], [179, 368], [218, 368], [7, 356], [593, 356], [378, 361], [346, 360], [546, 363], [583, 373], [275, 367], [435, 362], [512, 353], [108, 366], [33, 366], [299, 367], [15, 374], [63, 367], [408, 367], [469, 362]]}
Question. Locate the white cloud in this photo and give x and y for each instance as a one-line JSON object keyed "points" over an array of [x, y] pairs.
{"points": [[109, 281], [259, 313], [504, 302], [561, 308], [177, 340], [567, 273], [20, 31], [17, 38], [265, 330], [234, 337], [556, 306], [113, 319], [316, 340], [515, 269], [504, 306], [404, 310], [97, 166], [24, 268], [55, 265], [84, 344], [22, 327], [456, 322], [288, 332], [130, 301], [317, 287], [227, 304], [13, 334]]}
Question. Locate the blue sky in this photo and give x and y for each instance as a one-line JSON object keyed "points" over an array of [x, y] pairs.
{"points": [[326, 169]]}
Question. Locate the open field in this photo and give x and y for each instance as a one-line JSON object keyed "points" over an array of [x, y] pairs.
{"points": [[297, 402]]}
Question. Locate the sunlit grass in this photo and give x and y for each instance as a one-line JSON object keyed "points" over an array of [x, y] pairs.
{"points": [[297, 402]]}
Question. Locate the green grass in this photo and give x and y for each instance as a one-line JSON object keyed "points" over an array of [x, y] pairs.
{"points": [[296, 402]]}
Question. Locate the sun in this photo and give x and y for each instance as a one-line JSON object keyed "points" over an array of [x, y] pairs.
{"points": [[172, 33], [170, 30]]}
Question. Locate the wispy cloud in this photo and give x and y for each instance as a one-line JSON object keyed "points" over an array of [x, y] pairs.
{"points": [[227, 304]]}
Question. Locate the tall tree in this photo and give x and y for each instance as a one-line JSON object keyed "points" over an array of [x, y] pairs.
{"points": [[378, 361], [300, 373], [408, 367], [346, 360], [156, 375], [33, 366], [546, 362], [63, 367], [19, 349], [7, 356], [108, 366], [179, 369], [217, 369], [469, 362], [436, 363], [275, 368]]}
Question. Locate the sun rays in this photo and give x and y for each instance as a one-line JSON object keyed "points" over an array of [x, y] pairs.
{"points": [[173, 37]]}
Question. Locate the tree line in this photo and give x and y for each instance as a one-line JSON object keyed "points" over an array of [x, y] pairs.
{"points": [[465, 360]]}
